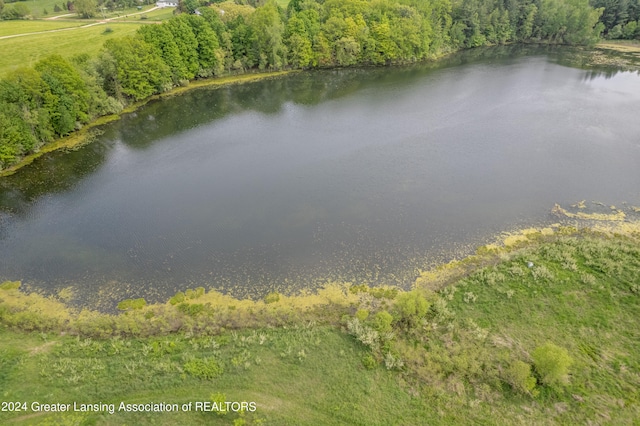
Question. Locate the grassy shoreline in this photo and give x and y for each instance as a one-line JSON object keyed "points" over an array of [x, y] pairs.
{"points": [[461, 347], [84, 135], [625, 46]]}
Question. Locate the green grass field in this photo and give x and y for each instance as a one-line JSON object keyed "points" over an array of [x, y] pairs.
{"points": [[27, 50], [21, 27], [450, 364]]}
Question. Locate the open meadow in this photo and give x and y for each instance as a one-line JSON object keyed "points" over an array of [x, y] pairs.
{"points": [[27, 50]]}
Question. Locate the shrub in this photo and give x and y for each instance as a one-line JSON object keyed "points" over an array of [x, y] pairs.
{"points": [[205, 368], [369, 362], [272, 297], [194, 294], [178, 298], [130, 304], [362, 314], [10, 285], [365, 335], [412, 306], [360, 288], [191, 309], [384, 292], [552, 363], [392, 361], [219, 400], [518, 375], [382, 321]]}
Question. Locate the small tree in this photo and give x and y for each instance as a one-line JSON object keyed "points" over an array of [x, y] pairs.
{"points": [[85, 8], [21, 11], [552, 364]]}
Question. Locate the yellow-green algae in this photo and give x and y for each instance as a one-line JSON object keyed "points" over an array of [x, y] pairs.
{"points": [[618, 216]]}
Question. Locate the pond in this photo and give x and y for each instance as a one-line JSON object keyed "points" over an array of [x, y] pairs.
{"points": [[360, 175]]}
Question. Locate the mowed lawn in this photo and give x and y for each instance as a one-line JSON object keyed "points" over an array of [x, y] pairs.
{"points": [[27, 50]]}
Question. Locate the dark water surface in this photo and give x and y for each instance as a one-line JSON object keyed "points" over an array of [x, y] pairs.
{"points": [[352, 175]]}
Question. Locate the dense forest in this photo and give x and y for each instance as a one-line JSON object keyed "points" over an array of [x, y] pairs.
{"points": [[58, 96], [620, 18]]}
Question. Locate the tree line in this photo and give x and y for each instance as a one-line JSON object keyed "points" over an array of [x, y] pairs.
{"points": [[58, 96], [620, 18]]}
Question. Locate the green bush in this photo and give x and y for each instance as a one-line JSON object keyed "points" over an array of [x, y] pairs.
{"points": [[412, 306], [194, 294], [272, 297], [10, 285], [384, 293], [362, 314], [518, 375], [369, 362], [178, 298], [219, 400], [552, 363], [360, 288], [205, 368], [130, 304], [382, 321], [191, 309]]}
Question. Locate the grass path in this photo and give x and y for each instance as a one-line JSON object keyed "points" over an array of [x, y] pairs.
{"points": [[59, 16]]}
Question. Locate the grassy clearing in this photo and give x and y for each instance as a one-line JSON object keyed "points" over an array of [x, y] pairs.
{"points": [[21, 27], [472, 352], [26, 51], [303, 375]]}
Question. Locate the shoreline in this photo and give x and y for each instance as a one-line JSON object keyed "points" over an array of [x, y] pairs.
{"points": [[56, 312], [623, 46], [83, 136]]}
